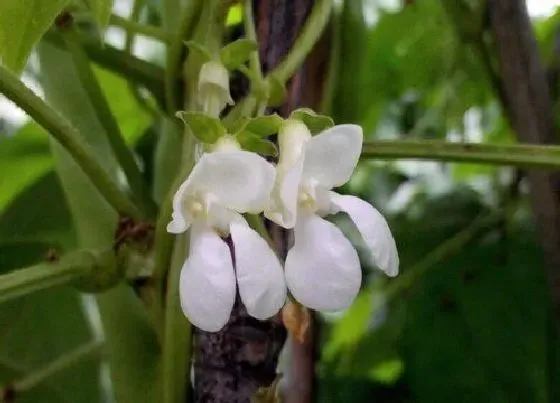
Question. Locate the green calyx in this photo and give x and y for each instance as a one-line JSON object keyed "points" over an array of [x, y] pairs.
{"points": [[315, 123], [205, 128]]}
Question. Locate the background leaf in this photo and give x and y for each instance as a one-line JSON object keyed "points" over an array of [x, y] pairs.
{"points": [[22, 23], [38, 328], [101, 10]]}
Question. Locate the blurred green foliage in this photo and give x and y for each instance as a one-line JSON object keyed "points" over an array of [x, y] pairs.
{"points": [[472, 328]]}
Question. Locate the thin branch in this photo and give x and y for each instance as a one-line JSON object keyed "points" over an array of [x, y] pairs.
{"points": [[141, 29], [69, 138], [45, 275], [119, 62], [309, 36], [130, 36], [251, 34], [174, 51], [522, 155], [105, 116]]}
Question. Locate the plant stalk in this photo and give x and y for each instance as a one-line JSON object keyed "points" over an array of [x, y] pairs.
{"points": [[115, 138], [522, 155], [67, 135], [45, 275]]}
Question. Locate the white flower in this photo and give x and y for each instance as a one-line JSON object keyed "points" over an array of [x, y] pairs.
{"points": [[222, 185], [322, 269]]}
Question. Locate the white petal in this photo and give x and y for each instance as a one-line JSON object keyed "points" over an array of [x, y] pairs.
{"points": [[207, 284], [259, 274], [331, 156], [322, 269], [180, 218], [239, 180], [374, 230], [283, 207]]}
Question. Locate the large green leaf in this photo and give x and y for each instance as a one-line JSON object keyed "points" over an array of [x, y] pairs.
{"points": [[38, 328], [24, 157], [130, 337], [477, 326], [22, 23], [101, 10], [48, 221]]}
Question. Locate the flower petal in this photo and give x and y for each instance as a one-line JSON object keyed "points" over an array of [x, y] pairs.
{"points": [[239, 180], [322, 269], [283, 207], [180, 218], [207, 283], [374, 230], [259, 274], [331, 156]]}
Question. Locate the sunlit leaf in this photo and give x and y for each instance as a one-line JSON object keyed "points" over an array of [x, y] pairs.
{"points": [[22, 23], [101, 10]]}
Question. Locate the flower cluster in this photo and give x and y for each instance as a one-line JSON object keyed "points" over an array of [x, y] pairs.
{"points": [[322, 270]]}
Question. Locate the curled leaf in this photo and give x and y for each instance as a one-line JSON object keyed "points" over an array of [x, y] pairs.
{"points": [[236, 53]]}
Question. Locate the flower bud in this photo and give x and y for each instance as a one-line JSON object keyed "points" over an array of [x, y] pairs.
{"points": [[213, 88]]}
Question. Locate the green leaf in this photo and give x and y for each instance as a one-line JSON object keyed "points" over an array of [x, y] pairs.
{"points": [[130, 336], [29, 148], [236, 53], [38, 328], [234, 15], [205, 128], [250, 142], [22, 23], [200, 50], [264, 126], [261, 126], [49, 221], [101, 10], [488, 302], [314, 122]]}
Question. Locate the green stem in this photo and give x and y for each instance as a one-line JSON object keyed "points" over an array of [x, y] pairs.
{"points": [[178, 334], [142, 29], [309, 36], [105, 116], [67, 135], [177, 344], [174, 51], [119, 62], [254, 61], [60, 364], [46, 275], [524, 155], [251, 34], [130, 36]]}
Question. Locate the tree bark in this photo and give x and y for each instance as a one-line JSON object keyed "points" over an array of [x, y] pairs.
{"points": [[231, 365], [528, 107]]}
